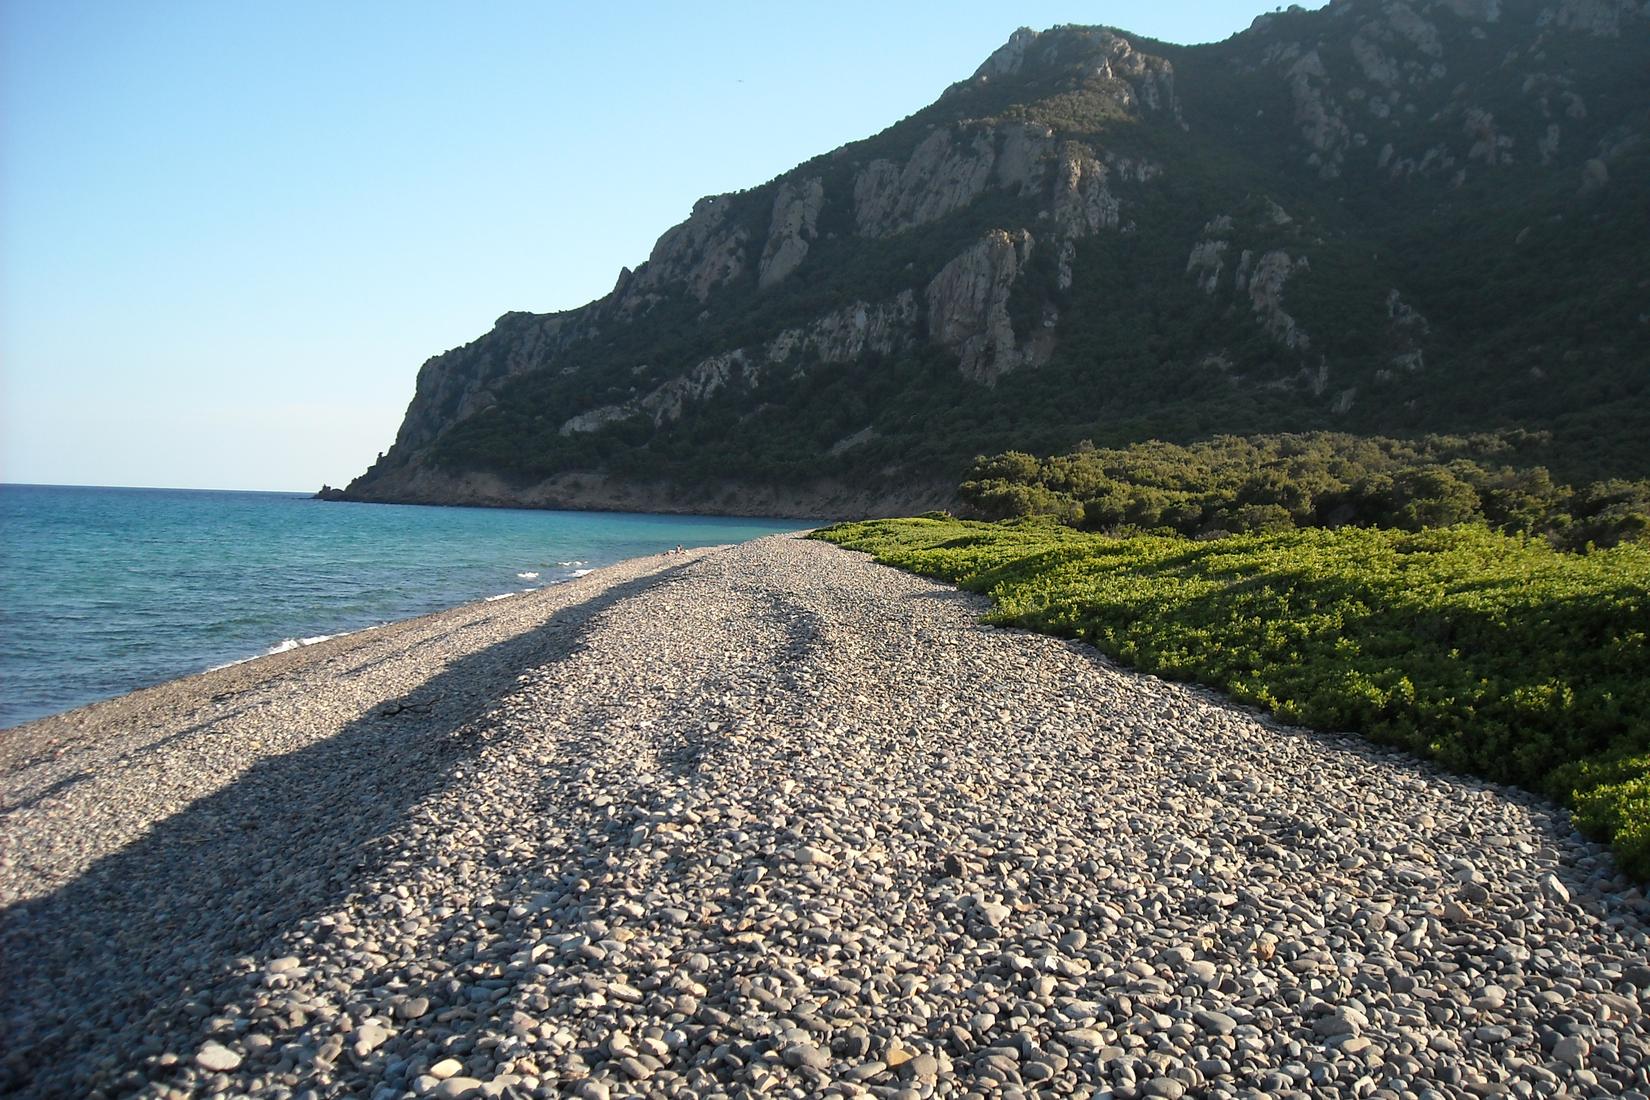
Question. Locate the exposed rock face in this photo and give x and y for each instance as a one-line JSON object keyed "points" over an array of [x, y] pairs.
{"points": [[945, 173], [1207, 260], [698, 384], [1318, 116], [1140, 80], [460, 383], [1489, 145], [665, 402], [1136, 79], [795, 212], [848, 333], [1023, 151], [1082, 203], [596, 419], [849, 442], [1265, 282], [842, 336], [1408, 331], [1008, 58], [1403, 60], [701, 254], [968, 306]]}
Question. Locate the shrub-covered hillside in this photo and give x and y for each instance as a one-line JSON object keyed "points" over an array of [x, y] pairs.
{"points": [[1273, 483]]}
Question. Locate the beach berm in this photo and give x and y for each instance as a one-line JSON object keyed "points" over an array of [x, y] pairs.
{"points": [[773, 819]]}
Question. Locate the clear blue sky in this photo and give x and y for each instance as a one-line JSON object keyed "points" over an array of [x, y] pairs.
{"points": [[230, 232]]}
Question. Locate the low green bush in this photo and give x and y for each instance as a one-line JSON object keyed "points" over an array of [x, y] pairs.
{"points": [[1492, 654]]}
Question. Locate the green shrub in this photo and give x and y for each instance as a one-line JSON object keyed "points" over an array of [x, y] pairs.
{"points": [[1321, 479]]}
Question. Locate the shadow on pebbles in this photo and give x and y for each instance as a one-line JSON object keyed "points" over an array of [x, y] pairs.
{"points": [[774, 820]]}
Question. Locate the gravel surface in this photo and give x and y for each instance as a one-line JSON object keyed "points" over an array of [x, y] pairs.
{"points": [[773, 819]]}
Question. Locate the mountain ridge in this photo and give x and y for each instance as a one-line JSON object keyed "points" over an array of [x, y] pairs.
{"points": [[1376, 217]]}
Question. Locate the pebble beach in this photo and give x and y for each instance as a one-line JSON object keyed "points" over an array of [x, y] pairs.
{"points": [[774, 820]]}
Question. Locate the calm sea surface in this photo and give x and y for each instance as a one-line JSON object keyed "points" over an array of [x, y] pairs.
{"points": [[106, 590]]}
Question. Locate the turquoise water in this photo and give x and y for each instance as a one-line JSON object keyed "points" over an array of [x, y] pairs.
{"points": [[106, 590]]}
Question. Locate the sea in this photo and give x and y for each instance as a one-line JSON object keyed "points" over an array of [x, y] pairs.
{"points": [[103, 590]]}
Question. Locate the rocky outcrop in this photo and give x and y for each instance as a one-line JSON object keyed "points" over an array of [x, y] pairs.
{"points": [[1488, 145], [1265, 282], [699, 384], [700, 254], [1318, 115], [1096, 59], [841, 336], [1396, 50], [460, 383], [1208, 260], [1023, 150], [849, 442], [847, 334], [795, 216], [1082, 204], [968, 307], [946, 172], [1260, 274], [1401, 73], [1009, 58], [1595, 174], [667, 401], [1407, 329], [954, 165], [594, 420]]}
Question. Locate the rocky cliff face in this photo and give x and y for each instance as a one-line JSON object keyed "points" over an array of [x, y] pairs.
{"points": [[1088, 237], [968, 308]]}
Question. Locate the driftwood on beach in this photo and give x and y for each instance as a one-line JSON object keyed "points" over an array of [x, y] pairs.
{"points": [[772, 818]]}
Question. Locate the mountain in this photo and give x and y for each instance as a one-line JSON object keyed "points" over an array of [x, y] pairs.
{"points": [[1379, 217]]}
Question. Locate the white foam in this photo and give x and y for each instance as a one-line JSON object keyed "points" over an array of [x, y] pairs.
{"points": [[581, 572], [285, 645], [500, 596], [527, 576], [570, 563]]}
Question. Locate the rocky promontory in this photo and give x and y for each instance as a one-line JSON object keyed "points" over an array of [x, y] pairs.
{"points": [[773, 820], [1381, 217]]}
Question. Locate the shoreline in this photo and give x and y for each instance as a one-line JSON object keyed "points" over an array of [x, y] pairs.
{"points": [[275, 650], [29, 742], [776, 801]]}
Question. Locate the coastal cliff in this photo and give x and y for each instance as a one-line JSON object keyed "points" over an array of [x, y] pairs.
{"points": [[1378, 217]]}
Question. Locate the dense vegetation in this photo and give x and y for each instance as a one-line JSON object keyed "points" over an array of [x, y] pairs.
{"points": [[1272, 483], [1491, 653]]}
